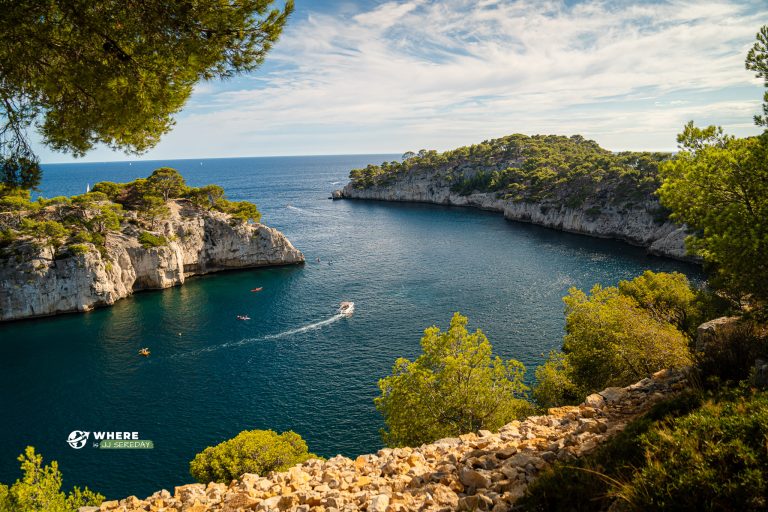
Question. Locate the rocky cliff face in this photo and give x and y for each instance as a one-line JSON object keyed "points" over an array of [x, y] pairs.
{"points": [[635, 224], [33, 283], [476, 471]]}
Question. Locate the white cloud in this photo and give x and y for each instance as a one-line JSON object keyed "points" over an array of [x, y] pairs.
{"points": [[413, 74]]}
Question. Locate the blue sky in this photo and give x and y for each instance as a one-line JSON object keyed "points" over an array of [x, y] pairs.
{"points": [[389, 76]]}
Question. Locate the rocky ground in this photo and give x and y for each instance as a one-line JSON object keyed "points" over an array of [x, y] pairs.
{"points": [[477, 471]]}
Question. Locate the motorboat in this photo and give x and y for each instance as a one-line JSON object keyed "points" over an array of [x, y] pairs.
{"points": [[144, 352], [346, 308], [243, 317], [257, 289]]}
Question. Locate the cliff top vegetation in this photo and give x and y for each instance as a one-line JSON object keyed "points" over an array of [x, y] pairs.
{"points": [[540, 168], [70, 224]]}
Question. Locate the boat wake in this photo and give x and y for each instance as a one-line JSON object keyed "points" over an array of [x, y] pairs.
{"points": [[310, 327], [247, 341], [302, 210]]}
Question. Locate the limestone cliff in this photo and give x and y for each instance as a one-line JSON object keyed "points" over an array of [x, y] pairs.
{"points": [[35, 281], [635, 224]]}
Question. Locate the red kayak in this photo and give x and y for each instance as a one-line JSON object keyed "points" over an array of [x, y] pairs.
{"points": [[257, 289]]}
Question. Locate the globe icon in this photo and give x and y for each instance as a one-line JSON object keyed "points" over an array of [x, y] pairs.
{"points": [[77, 439]]}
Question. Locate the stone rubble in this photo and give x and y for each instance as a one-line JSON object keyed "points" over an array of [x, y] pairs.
{"points": [[476, 471]]}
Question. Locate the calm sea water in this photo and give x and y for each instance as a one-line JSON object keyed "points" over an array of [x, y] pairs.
{"points": [[295, 365]]}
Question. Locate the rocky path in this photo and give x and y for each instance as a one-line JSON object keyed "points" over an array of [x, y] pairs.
{"points": [[478, 471]]}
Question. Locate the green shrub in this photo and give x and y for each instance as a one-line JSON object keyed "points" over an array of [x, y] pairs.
{"points": [[617, 336], [39, 489], [77, 249], [712, 459], [731, 354], [589, 483], [454, 387], [241, 211], [554, 385], [149, 240], [251, 451]]}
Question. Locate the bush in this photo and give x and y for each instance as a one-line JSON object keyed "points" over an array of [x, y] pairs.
{"points": [[712, 459], [242, 211], [149, 240], [39, 489], [554, 385], [77, 249], [617, 336], [251, 451], [589, 483], [454, 387], [731, 353]]}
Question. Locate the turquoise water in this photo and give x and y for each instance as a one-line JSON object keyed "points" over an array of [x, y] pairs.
{"points": [[295, 365]]}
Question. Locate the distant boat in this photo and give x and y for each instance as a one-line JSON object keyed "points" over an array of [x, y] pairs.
{"points": [[243, 317], [257, 289], [346, 308], [144, 352]]}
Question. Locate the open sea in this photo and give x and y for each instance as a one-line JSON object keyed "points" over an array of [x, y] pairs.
{"points": [[295, 365]]}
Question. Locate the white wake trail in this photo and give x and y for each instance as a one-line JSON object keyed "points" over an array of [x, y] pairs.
{"points": [[316, 325], [246, 341]]}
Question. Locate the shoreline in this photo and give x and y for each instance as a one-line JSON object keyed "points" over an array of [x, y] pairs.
{"points": [[673, 235]]}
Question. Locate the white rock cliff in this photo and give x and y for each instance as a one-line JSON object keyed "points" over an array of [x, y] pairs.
{"points": [[33, 283], [635, 225]]}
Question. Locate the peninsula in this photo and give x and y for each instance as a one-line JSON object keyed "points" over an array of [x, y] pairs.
{"points": [[566, 183], [69, 254]]}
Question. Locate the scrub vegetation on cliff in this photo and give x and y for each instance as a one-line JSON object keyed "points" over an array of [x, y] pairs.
{"points": [[552, 169], [69, 224]]}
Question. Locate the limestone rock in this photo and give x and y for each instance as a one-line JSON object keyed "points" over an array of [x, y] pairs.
{"points": [[34, 284], [634, 224]]}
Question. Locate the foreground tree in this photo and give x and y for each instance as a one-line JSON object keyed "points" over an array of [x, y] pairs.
{"points": [[251, 451], [453, 388], [757, 61], [718, 186], [115, 72], [39, 489], [617, 335]]}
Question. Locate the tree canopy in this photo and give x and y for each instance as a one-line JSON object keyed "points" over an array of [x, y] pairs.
{"points": [[719, 188], [548, 169], [757, 61], [455, 386], [66, 223], [114, 72], [618, 335], [39, 489]]}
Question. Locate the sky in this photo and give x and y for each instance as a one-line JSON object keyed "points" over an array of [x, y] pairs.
{"points": [[375, 76]]}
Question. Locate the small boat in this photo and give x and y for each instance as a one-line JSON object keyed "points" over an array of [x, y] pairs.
{"points": [[257, 289], [243, 317], [346, 308], [144, 352]]}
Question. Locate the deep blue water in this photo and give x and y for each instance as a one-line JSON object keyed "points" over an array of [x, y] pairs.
{"points": [[293, 366]]}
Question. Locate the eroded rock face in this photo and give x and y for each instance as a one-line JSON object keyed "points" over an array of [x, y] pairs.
{"points": [[33, 283], [635, 224], [482, 471]]}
